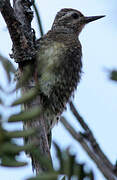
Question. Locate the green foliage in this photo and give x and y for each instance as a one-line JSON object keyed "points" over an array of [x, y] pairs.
{"points": [[10, 150], [8, 67], [28, 96], [24, 116], [68, 167], [113, 75]]}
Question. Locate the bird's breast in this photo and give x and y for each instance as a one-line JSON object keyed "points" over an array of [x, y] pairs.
{"points": [[59, 67]]}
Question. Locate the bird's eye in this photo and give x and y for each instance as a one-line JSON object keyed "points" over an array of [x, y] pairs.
{"points": [[75, 15]]}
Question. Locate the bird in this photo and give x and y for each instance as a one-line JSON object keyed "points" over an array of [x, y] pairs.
{"points": [[57, 69], [59, 62]]}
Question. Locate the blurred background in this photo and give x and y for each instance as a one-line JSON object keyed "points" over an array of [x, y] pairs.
{"points": [[96, 96]]}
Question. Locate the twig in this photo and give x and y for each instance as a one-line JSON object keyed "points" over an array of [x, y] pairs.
{"points": [[38, 19], [90, 137]]}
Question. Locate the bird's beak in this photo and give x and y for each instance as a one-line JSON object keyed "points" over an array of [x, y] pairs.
{"points": [[92, 18]]}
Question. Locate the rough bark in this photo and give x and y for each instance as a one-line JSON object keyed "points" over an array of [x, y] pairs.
{"points": [[18, 19]]}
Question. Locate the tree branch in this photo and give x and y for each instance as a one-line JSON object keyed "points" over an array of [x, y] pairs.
{"points": [[18, 20], [23, 46], [99, 162], [89, 144], [90, 137]]}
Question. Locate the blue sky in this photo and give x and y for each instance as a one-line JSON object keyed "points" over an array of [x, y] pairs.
{"points": [[96, 94]]}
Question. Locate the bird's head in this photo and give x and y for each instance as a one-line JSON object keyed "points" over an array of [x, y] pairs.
{"points": [[72, 20]]}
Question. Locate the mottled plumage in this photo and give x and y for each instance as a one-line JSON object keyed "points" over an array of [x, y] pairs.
{"points": [[59, 61]]}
